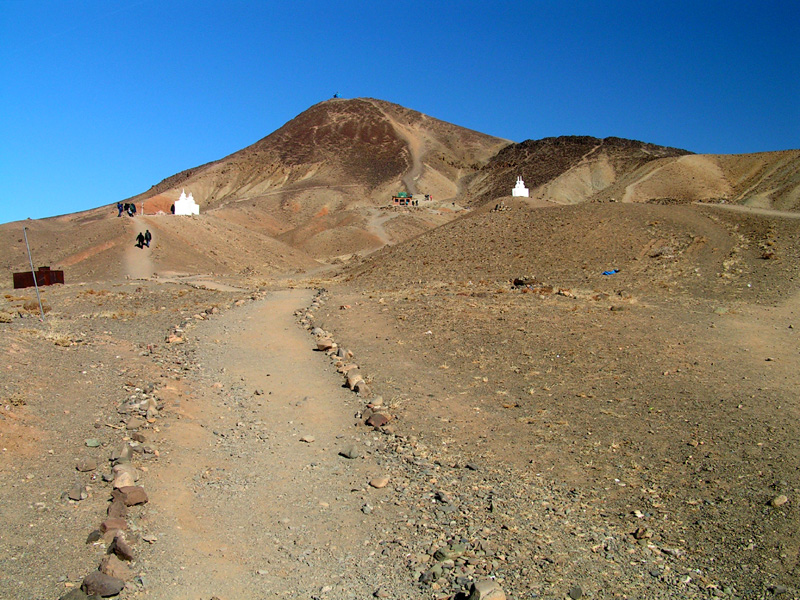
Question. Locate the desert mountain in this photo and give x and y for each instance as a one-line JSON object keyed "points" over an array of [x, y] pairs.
{"points": [[319, 188]]}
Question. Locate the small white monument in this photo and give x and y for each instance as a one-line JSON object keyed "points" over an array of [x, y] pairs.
{"points": [[520, 189], [185, 205]]}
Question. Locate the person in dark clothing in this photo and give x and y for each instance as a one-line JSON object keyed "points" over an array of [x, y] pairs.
{"points": [[119, 208], [133, 209], [140, 240], [147, 237]]}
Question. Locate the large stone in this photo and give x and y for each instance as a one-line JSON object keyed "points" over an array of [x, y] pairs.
{"points": [[84, 465], [100, 584], [120, 547], [77, 594], [379, 482], [324, 344], [353, 377], [377, 420], [362, 389], [486, 590], [77, 492], [113, 523], [117, 470], [117, 508], [131, 495], [111, 565], [124, 479]]}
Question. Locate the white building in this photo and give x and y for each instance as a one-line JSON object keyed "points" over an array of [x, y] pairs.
{"points": [[185, 205], [520, 189]]}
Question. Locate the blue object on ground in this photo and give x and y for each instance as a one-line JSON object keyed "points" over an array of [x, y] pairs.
{"points": [[612, 272]]}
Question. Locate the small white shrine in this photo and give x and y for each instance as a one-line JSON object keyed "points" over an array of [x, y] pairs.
{"points": [[185, 205], [520, 189]]}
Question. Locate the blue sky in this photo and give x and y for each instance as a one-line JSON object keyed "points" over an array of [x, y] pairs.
{"points": [[100, 100]]}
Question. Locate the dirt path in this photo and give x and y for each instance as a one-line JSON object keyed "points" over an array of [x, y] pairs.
{"points": [[243, 507], [765, 212], [137, 261]]}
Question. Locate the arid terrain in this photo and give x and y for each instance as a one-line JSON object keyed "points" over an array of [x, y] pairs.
{"points": [[305, 392]]}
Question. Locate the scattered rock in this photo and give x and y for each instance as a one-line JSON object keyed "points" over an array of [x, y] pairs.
{"points": [[779, 500], [379, 482], [486, 589], [575, 592], [77, 493], [92, 443], [120, 547], [351, 451], [130, 495], [113, 523], [377, 420], [100, 584], [449, 552], [112, 566], [308, 439], [135, 423], [324, 344], [84, 465]]}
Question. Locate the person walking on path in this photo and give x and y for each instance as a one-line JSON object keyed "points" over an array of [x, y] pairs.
{"points": [[147, 237], [119, 208], [140, 240]]}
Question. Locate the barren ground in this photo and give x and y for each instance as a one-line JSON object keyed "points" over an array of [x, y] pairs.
{"points": [[628, 436]]}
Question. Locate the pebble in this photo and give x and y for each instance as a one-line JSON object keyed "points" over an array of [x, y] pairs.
{"points": [[379, 482], [77, 493], [308, 439], [134, 423], [92, 443], [779, 500], [351, 451], [575, 592]]}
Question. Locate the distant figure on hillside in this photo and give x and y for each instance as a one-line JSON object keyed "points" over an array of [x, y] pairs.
{"points": [[119, 208], [140, 240], [133, 209], [147, 237]]}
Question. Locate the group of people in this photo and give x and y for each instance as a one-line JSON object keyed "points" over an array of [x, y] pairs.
{"points": [[143, 239], [128, 208]]}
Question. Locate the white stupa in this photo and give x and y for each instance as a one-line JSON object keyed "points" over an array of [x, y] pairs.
{"points": [[520, 189], [185, 205]]}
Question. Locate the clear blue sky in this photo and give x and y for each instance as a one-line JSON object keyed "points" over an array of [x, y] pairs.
{"points": [[101, 99]]}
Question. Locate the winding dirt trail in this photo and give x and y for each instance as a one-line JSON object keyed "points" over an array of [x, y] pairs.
{"points": [[244, 507]]}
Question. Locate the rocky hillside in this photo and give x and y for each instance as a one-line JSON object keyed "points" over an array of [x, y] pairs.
{"points": [[567, 169]]}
